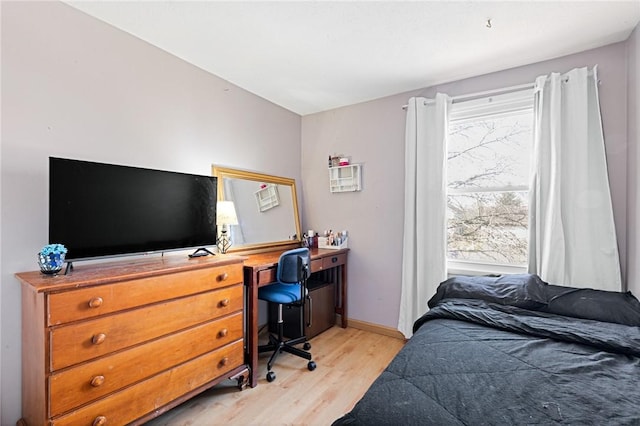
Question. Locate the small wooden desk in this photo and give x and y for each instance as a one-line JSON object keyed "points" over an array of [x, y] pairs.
{"points": [[260, 269]]}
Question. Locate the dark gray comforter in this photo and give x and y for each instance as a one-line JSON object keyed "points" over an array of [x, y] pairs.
{"points": [[476, 363]]}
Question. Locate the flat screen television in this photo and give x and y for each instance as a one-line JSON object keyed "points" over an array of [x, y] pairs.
{"points": [[102, 210]]}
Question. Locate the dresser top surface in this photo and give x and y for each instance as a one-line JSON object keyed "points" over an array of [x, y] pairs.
{"points": [[85, 274]]}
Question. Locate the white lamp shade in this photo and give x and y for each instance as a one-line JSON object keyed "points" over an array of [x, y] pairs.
{"points": [[226, 213]]}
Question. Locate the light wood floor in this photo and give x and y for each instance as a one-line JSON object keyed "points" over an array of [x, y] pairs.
{"points": [[348, 362]]}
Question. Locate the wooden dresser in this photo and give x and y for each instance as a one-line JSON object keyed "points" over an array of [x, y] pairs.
{"points": [[122, 342]]}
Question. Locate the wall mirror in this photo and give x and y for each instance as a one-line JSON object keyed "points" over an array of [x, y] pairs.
{"points": [[266, 206]]}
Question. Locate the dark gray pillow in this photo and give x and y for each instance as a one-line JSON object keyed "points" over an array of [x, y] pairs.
{"points": [[599, 305], [521, 290]]}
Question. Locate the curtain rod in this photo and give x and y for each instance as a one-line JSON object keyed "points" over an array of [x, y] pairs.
{"points": [[494, 92], [504, 90]]}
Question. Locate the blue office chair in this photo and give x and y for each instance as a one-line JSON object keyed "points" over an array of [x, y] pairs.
{"points": [[291, 289]]}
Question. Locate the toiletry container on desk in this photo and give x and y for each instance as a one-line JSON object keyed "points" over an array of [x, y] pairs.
{"points": [[338, 244], [123, 342]]}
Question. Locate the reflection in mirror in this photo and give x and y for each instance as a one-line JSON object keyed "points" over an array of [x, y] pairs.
{"points": [[266, 207]]}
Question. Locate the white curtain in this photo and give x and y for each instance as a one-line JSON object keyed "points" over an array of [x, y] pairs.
{"points": [[572, 234], [424, 240]]}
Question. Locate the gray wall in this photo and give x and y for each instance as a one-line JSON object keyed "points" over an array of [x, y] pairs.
{"points": [[75, 87], [372, 133]]}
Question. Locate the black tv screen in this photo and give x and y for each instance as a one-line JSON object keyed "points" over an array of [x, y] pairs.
{"points": [[99, 210]]}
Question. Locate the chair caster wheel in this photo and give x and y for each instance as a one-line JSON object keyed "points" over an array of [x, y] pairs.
{"points": [[311, 366], [271, 376], [306, 346]]}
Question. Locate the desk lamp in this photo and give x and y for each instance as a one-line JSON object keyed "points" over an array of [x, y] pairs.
{"points": [[225, 216]]}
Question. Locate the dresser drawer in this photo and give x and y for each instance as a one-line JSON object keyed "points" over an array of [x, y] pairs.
{"points": [[82, 341], [103, 299], [334, 260], [89, 381], [145, 397], [316, 265], [267, 276]]}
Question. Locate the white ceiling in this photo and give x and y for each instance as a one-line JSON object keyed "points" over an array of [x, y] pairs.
{"points": [[310, 56]]}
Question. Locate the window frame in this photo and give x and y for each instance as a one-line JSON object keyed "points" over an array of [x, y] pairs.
{"points": [[493, 106]]}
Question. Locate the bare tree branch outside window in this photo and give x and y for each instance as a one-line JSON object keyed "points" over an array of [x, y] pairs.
{"points": [[488, 174]]}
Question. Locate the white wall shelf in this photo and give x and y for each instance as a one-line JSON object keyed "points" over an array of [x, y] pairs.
{"points": [[267, 197], [345, 178]]}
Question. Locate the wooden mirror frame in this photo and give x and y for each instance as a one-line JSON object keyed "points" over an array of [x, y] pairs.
{"points": [[228, 173]]}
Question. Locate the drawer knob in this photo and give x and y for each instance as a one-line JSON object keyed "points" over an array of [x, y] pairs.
{"points": [[100, 421], [223, 276], [223, 332], [334, 259], [95, 302], [97, 381], [98, 338], [224, 361], [225, 302]]}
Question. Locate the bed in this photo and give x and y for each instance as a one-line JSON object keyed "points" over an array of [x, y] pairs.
{"points": [[513, 350]]}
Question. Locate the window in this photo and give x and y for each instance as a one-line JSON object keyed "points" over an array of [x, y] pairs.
{"points": [[488, 157]]}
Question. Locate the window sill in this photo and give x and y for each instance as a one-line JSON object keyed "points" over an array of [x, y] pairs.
{"points": [[469, 268]]}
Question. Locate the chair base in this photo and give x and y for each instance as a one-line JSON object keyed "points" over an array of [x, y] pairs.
{"points": [[277, 346]]}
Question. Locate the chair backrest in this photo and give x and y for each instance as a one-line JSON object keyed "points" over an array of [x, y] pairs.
{"points": [[293, 266]]}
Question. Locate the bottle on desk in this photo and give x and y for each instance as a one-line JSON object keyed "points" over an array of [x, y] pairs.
{"points": [[312, 239]]}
